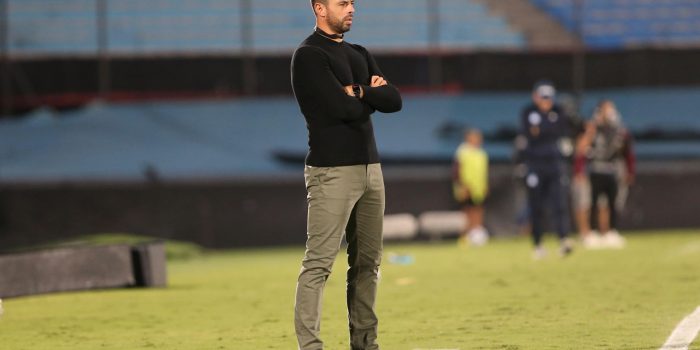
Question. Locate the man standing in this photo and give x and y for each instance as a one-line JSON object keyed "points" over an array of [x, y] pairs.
{"points": [[338, 86], [547, 129], [611, 148]]}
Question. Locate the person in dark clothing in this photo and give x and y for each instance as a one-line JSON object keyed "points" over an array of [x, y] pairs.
{"points": [[611, 162], [338, 86], [547, 131]]}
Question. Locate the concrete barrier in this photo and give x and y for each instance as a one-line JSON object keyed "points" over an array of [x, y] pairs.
{"points": [[438, 224], [82, 268], [400, 226]]}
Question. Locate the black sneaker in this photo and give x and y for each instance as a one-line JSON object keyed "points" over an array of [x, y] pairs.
{"points": [[566, 248]]}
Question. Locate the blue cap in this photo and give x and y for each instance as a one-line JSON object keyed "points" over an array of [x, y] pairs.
{"points": [[545, 89]]}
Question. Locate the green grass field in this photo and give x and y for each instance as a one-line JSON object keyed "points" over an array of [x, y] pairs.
{"points": [[495, 297]]}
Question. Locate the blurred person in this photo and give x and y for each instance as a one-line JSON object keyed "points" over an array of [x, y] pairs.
{"points": [[581, 188], [470, 185], [338, 86], [545, 129], [625, 181], [610, 151], [568, 105], [580, 185]]}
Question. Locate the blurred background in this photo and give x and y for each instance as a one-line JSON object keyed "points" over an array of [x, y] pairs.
{"points": [[175, 118]]}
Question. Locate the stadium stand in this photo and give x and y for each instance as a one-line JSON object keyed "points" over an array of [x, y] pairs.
{"points": [[37, 26], [468, 22], [261, 26], [70, 26], [269, 26], [629, 23], [174, 25], [462, 24], [539, 28], [218, 138]]}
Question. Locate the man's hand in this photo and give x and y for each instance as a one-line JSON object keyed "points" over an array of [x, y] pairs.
{"points": [[348, 90], [377, 81]]}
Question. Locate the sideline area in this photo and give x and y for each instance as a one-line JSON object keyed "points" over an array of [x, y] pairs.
{"points": [[494, 297], [684, 334]]}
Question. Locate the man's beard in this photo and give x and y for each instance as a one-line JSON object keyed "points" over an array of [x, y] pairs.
{"points": [[338, 25]]}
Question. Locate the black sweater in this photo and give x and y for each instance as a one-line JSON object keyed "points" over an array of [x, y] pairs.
{"points": [[340, 128]]}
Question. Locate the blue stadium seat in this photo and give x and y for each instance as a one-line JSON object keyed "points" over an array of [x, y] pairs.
{"points": [[157, 26], [622, 23], [37, 26], [219, 138]]}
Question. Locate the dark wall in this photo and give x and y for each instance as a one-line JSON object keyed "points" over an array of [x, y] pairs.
{"points": [[273, 212], [212, 214], [71, 81]]}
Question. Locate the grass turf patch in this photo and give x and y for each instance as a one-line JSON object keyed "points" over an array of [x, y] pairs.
{"points": [[495, 297], [174, 250]]}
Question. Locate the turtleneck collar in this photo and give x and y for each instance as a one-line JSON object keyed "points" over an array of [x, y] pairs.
{"points": [[333, 37]]}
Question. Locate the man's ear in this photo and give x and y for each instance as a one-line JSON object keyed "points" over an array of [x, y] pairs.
{"points": [[320, 9]]}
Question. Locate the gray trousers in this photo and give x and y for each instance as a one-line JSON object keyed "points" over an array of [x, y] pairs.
{"points": [[341, 200]]}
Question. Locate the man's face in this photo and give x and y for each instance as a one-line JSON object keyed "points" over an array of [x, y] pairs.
{"points": [[607, 110], [543, 104], [474, 138], [338, 14]]}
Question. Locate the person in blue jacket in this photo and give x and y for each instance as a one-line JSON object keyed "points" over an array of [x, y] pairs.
{"points": [[547, 130]]}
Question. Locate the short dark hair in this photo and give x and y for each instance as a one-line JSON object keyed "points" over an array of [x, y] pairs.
{"points": [[314, 2]]}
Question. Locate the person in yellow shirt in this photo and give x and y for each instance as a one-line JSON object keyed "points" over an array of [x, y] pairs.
{"points": [[470, 185]]}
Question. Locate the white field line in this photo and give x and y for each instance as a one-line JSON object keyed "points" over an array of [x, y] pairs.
{"points": [[685, 333]]}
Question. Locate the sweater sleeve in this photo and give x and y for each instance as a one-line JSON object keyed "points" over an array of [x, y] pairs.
{"points": [[385, 99], [313, 80]]}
